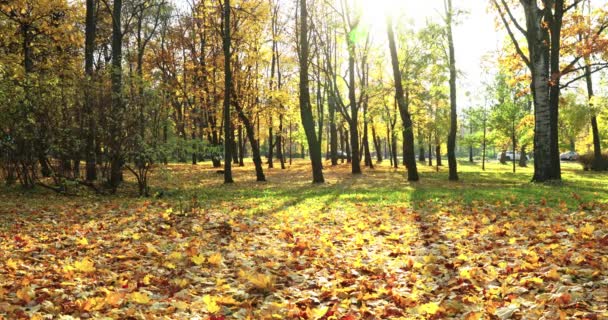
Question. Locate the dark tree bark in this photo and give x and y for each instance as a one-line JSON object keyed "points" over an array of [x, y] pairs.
{"points": [[354, 108], [523, 162], [421, 156], [305, 106], [227, 94], [408, 130], [116, 156], [598, 163], [241, 145], [333, 130], [90, 28], [280, 153], [255, 147], [452, 164], [377, 144]]}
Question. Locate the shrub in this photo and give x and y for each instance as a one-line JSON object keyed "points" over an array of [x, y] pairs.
{"points": [[589, 163]]}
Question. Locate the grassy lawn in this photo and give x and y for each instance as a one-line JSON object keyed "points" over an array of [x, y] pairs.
{"points": [[491, 246]]}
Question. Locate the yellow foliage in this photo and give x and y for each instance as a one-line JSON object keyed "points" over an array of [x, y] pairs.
{"points": [[198, 259], [139, 297], [215, 259], [430, 308], [211, 304]]}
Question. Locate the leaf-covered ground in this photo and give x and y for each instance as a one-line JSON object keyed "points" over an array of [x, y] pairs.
{"points": [[372, 247]]}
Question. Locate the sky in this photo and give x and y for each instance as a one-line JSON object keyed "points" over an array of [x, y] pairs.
{"points": [[475, 37]]}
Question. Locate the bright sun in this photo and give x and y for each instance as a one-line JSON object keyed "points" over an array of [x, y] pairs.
{"points": [[374, 13]]}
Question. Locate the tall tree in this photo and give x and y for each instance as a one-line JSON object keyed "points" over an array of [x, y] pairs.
{"points": [[409, 156], [305, 105], [227, 94], [453, 116], [544, 21], [117, 113], [89, 47]]}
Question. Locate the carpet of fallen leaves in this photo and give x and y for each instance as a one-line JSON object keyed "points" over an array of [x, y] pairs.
{"points": [[105, 258]]}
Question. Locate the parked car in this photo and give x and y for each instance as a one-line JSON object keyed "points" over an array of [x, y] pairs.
{"points": [[509, 156], [569, 156], [342, 155]]}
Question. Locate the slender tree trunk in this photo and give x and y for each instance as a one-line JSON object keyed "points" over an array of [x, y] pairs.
{"points": [[305, 106], [453, 116], [402, 97], [438, 155], [255, 148], [377, 144], [354, 111], [241, 144], [280, 154], [270, 154], [116, 159], [333, 131], [597, 147], [514, 142], [90, 28], [227, 94], [483, 152]]}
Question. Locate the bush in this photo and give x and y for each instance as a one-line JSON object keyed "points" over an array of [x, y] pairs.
{"points": [[588, 162]]}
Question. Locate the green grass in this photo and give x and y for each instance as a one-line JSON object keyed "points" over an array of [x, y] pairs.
{"points": [[384, 187], [186, 186]]}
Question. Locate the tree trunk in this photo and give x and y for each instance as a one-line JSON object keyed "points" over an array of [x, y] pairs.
{"points": [[241, 144], [453, 116], [523, 162], [333, 131], [270, 154], [227, 94], [377, 144], [280, 154], [255, 148], [354, 111], [116, 159], [305, 106], [597, 147], [90, 28]]}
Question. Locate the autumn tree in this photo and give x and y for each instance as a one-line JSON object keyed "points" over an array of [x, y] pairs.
{"points": [[305, 104], [409, 153]]}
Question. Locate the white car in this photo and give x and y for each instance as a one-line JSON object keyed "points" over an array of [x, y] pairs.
{"points": [[509, 156], [570, 156]]}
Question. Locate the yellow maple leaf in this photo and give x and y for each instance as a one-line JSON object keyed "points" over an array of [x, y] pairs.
{"points": [[181, 282], [11, 264], [150, 248], [26, 294], [198, 259], [84, 265], [180, 305], [211, 304], [429, 308], [176, 256], [114, 299], [552, 275], [139, 297], [261, 281], [215, 259], [587, 230], [83, 241], [146, 279], [318, 313]]}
